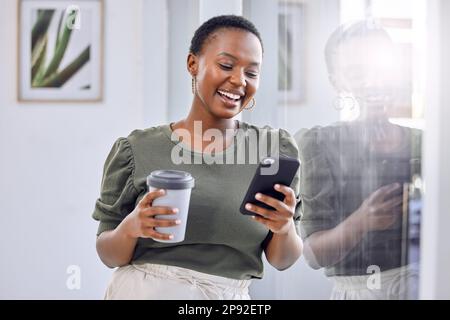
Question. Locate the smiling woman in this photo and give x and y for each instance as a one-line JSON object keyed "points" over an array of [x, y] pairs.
{"points": [[227, 73], [224, 61], [222, 249]]}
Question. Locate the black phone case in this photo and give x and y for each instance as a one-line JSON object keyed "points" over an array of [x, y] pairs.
{"points": [[287, 168]]}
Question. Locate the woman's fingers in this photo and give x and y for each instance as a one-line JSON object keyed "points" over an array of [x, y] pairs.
{"points": [[268, 214], [164, 223], [278, 205], [391, 204], [289, 199], [159, 210], [385, 191], [148, 198], [152, 233], [283, 208]]}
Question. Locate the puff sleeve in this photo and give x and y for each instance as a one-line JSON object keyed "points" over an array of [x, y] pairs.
{"points": [[288, 147], [317, 184], [118, 192]]}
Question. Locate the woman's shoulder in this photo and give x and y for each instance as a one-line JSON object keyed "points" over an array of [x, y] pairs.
{"points": [[149, 134], [324, 135], [276, 138], [265, 129], [250, 126]]}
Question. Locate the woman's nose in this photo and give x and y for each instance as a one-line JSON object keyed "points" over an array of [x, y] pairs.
{"points": [[238, 79]]}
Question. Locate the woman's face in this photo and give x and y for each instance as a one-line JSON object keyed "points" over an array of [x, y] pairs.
{"points": [[366, 68], [227, 71]]}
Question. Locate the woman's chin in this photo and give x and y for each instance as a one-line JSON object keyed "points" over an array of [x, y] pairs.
{"points": [[226, 113]]}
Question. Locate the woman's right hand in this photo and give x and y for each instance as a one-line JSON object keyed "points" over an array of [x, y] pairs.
{"points": [[380, 210], [141, 222]]}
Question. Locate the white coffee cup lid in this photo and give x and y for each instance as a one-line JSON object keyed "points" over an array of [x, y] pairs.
{"points": [[170, 179]]}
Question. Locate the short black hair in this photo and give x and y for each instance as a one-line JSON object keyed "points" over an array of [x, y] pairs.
{"points": [[221, 22], [358, 29]]}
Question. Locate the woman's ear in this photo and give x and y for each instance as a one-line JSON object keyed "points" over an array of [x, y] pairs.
{"points": [[192, 64], [337, 83], [333, 81]]}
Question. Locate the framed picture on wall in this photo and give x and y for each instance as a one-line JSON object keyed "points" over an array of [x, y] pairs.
{"points": [[291, 55], [60, 50]]}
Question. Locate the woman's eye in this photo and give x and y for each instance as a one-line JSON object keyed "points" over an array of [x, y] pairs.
{"points": [[225, 66], [252, 74]]}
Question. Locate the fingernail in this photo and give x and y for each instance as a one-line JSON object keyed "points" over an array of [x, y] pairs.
{"points": [[171, 237], [277, 186], [248, 207], [175, 210], [177, 221], [162, 191], [258, 196]]}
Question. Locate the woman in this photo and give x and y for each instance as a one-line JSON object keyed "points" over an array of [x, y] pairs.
{"points": [[353, 174], [222, 250]]}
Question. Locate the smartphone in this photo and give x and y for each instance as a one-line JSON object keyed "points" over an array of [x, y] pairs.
{"points": [[272, 170]]}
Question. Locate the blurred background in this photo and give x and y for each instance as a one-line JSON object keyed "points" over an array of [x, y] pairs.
{"points": [[53, 151]]}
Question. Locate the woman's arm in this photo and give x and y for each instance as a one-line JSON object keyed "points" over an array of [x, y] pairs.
{"points": [[328, 247], [284, 249], [378, 212], [116, 247], [285, 246]]}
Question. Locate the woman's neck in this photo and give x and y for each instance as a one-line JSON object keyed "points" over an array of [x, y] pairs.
{"points": [[371, 112], [379, 133], [198, 121], [198, 113]]}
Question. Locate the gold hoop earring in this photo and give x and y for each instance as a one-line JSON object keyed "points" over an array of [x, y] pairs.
{"points": [[253, 104], [194, 85]]}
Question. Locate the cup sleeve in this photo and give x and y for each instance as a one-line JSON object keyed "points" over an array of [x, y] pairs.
{"points": [[117, 192]]}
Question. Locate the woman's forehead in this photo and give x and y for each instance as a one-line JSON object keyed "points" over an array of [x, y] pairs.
{"points": [[233, 42]]}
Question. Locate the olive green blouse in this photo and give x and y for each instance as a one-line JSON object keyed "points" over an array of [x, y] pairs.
{"points": [[219, 239], [340, 169]]}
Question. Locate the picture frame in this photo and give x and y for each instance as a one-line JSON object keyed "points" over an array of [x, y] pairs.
{"points": [[60, 51], [291, 53]]}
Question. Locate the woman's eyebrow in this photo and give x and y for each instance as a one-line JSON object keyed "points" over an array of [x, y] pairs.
{"points": [[235, 58]]}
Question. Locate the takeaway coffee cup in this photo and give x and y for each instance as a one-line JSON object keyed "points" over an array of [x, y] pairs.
{"points": [[178, 185]]}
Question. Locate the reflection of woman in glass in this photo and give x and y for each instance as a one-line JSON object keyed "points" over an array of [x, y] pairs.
{"points": [[353, 173], [222, 250]]}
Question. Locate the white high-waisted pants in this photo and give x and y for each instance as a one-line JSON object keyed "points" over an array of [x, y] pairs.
{"points": [[395, 284], [161, 282]]}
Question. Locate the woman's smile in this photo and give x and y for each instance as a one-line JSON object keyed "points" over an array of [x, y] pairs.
{"points": [[230, 99]]}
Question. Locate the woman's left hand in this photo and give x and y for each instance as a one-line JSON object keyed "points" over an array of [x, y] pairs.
{"points": [[279, 221]]}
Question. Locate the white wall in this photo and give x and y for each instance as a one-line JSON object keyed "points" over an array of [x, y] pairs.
{"points": [[210, 8], [321, 19], [183, 20], [435, 251], [155, 46], [52, 159]]}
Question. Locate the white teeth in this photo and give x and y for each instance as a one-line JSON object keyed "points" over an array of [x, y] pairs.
{"points": [[230, 95]]}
